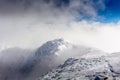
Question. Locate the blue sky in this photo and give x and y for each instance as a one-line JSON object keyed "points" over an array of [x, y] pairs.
{"points": [[112, 11]]}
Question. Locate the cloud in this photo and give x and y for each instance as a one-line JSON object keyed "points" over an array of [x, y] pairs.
{"points": [[30, 32], [31, 22], [11, 60], [48, 19], [53, 9]]}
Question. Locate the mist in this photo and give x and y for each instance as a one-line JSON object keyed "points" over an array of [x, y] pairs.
{"points": [[22, 33]]}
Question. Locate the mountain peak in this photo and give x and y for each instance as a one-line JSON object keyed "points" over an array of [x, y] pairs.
{"points": [[50, 47]]}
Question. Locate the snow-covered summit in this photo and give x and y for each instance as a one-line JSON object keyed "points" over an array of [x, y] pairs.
{"points": [[55, 52], [58, 50], [61, 47], [45, 57], [51, 47]]}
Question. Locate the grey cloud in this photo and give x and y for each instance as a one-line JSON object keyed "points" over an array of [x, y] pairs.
{"points": [[11, 60], [75, 8]]}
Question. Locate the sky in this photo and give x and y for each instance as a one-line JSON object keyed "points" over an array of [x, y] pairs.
{"points": [[30, 23]]}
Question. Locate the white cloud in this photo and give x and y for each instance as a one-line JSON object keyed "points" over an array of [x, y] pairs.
{"points": [[30, 32]]}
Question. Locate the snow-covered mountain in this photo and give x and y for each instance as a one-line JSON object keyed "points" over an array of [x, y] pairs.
{"points": [[45, 57], [61, 60], [86, 64], [53, 53], [59, 48], [52, 47], [57, 51]]}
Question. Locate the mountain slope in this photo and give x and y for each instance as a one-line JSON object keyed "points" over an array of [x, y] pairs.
{"points": [[83, 69]]}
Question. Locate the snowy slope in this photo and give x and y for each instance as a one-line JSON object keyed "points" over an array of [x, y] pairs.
{"points": [[83, 69]]}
